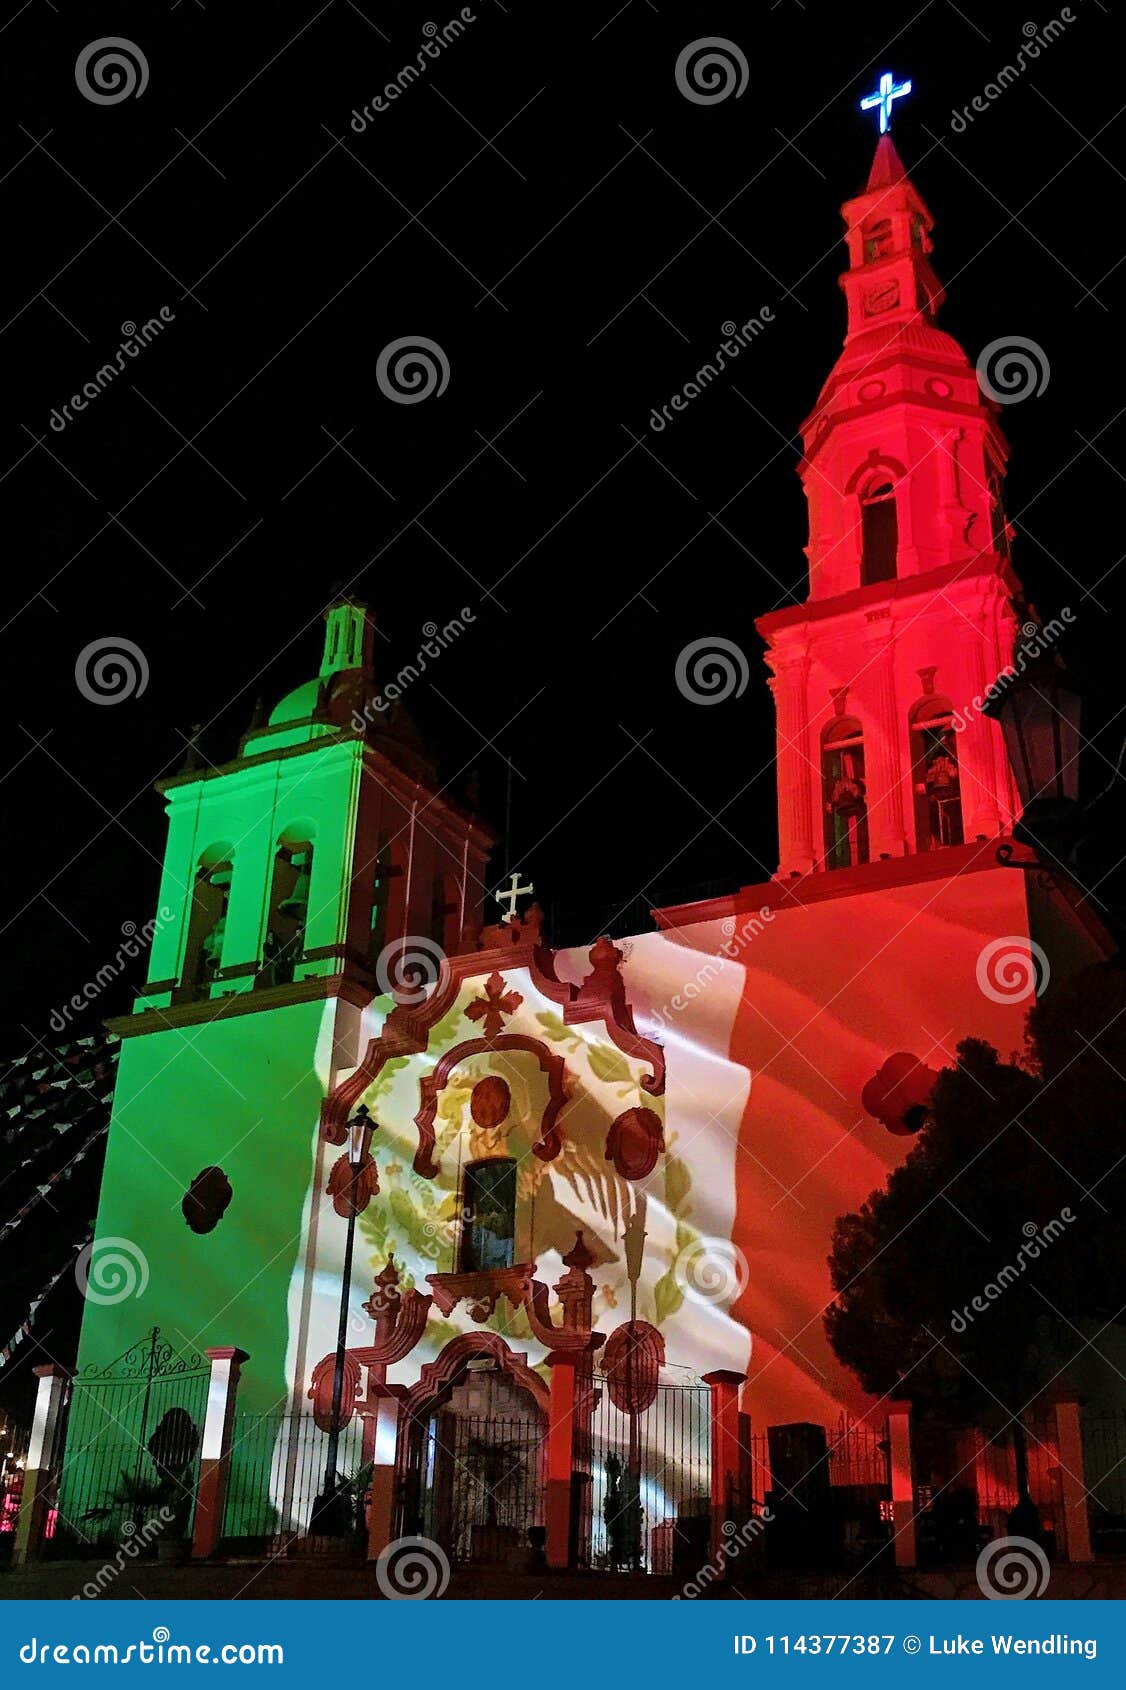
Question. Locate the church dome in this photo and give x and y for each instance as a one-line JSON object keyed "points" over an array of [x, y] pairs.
{"points": [[297, 705]]}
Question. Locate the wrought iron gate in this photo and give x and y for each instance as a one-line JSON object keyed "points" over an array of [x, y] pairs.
{"points": [[131, 1447], [642, 1483], [478, 1485]]}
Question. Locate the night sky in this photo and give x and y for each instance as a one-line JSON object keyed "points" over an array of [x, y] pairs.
{"points": [[547, 206]]}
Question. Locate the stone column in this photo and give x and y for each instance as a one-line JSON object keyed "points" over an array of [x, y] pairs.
{"points": [[560, 1455], [902, 1483], [886, 747], [381, 1505], [215, 1454], [799, 779], [43, 1454], [1069, 1444], [727, 1500]]}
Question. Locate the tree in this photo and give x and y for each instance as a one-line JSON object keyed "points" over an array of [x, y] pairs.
{"points": [[984, 1270]]}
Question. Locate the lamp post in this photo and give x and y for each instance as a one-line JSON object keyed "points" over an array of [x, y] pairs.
{"points": [[1039, 716], [327, 1510]]}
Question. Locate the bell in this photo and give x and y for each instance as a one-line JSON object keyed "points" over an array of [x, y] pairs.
{"points": [[296, 906]]}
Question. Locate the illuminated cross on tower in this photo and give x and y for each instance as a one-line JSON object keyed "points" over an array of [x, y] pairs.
{"points": [[889, 90], [509, 895]]}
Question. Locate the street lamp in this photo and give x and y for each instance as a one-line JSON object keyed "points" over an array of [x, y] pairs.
{"points": [[328, 1514], [1038, 713]]}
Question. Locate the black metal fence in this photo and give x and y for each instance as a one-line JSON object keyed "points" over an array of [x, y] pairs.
{"points": [[129, 1438], [1104, 1469], [642, 1486], [277, 1472]]}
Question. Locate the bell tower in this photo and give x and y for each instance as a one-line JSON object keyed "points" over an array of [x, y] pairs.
{"points": [[302, 880], [908, 617]]}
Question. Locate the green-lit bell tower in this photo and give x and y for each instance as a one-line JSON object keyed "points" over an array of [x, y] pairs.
{"points": [[290, 874]]}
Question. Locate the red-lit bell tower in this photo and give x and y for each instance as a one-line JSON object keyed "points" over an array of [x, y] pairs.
{"points": [[909, 617]]}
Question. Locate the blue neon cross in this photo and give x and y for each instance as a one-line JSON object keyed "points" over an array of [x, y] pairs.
{"points": [[889, 90]]}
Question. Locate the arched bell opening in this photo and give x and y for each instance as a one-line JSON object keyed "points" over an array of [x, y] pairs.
{"points": [[287, 917], [207, 923]]}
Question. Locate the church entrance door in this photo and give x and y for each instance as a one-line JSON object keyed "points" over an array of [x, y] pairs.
{"points": [[474, 1470]]}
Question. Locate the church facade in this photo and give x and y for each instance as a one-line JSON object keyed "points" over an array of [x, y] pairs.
{"points": [[529, 1169]]}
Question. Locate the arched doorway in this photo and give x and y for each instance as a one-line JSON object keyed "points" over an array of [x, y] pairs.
{"points": [[471, 1452]]}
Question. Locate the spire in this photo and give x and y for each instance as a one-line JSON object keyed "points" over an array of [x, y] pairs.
{"points": [[887, 166], [348, 637]]}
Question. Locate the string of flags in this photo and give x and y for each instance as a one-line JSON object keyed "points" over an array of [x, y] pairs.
{"points": [[28, 1321], [59, 1174]]}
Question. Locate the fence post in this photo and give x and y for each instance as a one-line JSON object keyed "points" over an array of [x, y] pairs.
{"points": [[723, 1392], [560, 1456], [902, 1482], [215, 1453], [381, 1503], [42, 1457], [1069, 1444]]}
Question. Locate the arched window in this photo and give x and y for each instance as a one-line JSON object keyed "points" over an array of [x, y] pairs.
{"points": [[846, 808], [877, 240], [207, 922], [488, 1234], [879, 531], [288, 913], [934, 775]]}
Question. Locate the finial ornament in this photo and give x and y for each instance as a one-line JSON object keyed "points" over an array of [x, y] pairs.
{"points": [[888, 91]]}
